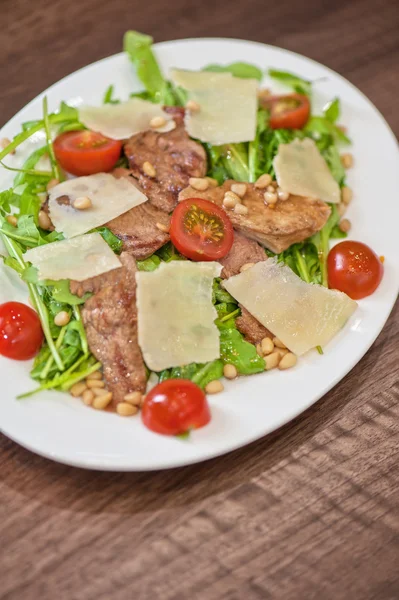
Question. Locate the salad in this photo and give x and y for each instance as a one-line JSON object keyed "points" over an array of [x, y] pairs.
{"points": [[178, 237]]}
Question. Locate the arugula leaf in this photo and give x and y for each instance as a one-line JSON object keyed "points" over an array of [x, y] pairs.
{"points": [[337, 233], [332, 110], [321, 125], [113, 242], [109, 96], [8, 198], [236, 351], [61, 293], [333, 160], [168, 252], [149, 264], [219, 294], [26, 232], [30, 163], [301, 86], [201, 374], [321, 241], [238, 69]]}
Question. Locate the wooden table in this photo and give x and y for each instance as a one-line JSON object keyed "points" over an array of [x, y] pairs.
{"points": [[311, 511]]}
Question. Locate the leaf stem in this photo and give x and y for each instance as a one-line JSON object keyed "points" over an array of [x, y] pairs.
{"points": [[53, 160]]}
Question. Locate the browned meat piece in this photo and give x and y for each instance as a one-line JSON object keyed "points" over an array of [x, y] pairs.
{"points": [[252, 330], [243, 251], [110, 320], [277, 227], [175, 158]]}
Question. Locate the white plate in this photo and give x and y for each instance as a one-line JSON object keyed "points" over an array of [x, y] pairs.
{"points": [[63, 429]]}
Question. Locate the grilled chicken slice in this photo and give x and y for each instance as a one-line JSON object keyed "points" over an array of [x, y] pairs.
{"points": [[277, 227]]}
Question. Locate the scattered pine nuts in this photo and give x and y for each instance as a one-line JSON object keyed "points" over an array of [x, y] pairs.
{"points": [[229, 371], [233, 196], [282, 195], [212, 182], [263, 181], [270, 188], [162, 227], [272, 361], [77, 389], [240, 209], [95, 375], [347, 160], [229, 202], [246, 267], [149, 169], [281, 351], [52, 183], [82, 203], [157, 122], [44, 220], [214, 387], [277, 342], [193, 106], [101, 402], [259, 350], [341, 208], [199, 183], [125, 409], [346, 195], [12, 220], [345, 225], [134, 398], [287, 361], [239, 188], [62, 318], [267, 346], [4, 142], [270, 197], [95, 383], [99, 391], [88, 397]]}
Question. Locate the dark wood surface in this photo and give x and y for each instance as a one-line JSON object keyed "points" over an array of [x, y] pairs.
{"points": [[309, 512]]}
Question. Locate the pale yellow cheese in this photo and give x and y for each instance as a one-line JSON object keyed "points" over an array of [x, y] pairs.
{"points": [[300, 169], [78, 258], [301, 314], [120, 121], [110, 197], [227, 106], [176, 315]]}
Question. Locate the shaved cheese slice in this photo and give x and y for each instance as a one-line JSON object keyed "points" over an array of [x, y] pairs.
{"points": [[176, 315], [120, 121], [228, 106], [79, 258], [110, 198], [301, 314], [300, 169]]}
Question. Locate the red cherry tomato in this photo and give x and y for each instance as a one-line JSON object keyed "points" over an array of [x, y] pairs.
{"points": [[354, 268], [86, 152], [21, 334], [200, 230], [175, 406], [288, 112]]}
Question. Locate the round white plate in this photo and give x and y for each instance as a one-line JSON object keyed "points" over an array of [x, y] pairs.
{"points": [[63, 429]]}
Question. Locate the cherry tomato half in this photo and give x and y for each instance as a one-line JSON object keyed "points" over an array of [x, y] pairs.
{"points": [[354, 268], [201, 230], [175, 406], [288, 112], [86, 152], [21, 334]]}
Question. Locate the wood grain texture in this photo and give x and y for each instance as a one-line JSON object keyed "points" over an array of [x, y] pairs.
{"points": [[311, 511]]}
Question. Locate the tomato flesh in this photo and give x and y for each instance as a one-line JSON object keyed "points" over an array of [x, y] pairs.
{"points": [[21, 334], [200, 230], [354, 268], [86, 152], [175, 406], [288, 112]]}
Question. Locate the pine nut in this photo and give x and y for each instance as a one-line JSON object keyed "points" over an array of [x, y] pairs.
{"points": [[157, 122], [282, 195], [212, 182], [229, 371], [239, 188], [199, 183], [288, 361], [12, 220], [263, 181], [88, 397], [214, 387], [345, 225], [229, 202], [99, 391], [44, 220], [347, 160], [162, 227], [95, 383], [281, 351], [125, 409], [77, 389], [62, 318], [95, 375], [134, 398], [346, 195], [267, 346], [4, 142], [259, 350], [82, 203], [270, 197], [52, 183], [240, 209], [233, 196], [341, 208], [101, 402], [272, 361], [246, 267], [277, 342], [270, 188], [149, 169], [193, 106]]}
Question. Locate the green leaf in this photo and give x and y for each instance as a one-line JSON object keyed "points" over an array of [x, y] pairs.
{"points": [[26, 232], [337, 234], [333, 160], [225, 308], [8, 198], [109, 96], [61, 293], [237, 69], [149, 264], [113, 242], [301, 86], [201, 374], [168, 252], [236, 351], [332, 110], [30, 163], [321, 125], [219, 294]]}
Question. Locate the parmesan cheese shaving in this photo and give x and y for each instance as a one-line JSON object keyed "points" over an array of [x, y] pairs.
{"points": [[79, 258], [176, 315], [227, 106], [301, 314], [110, 197], [300, 169]]}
